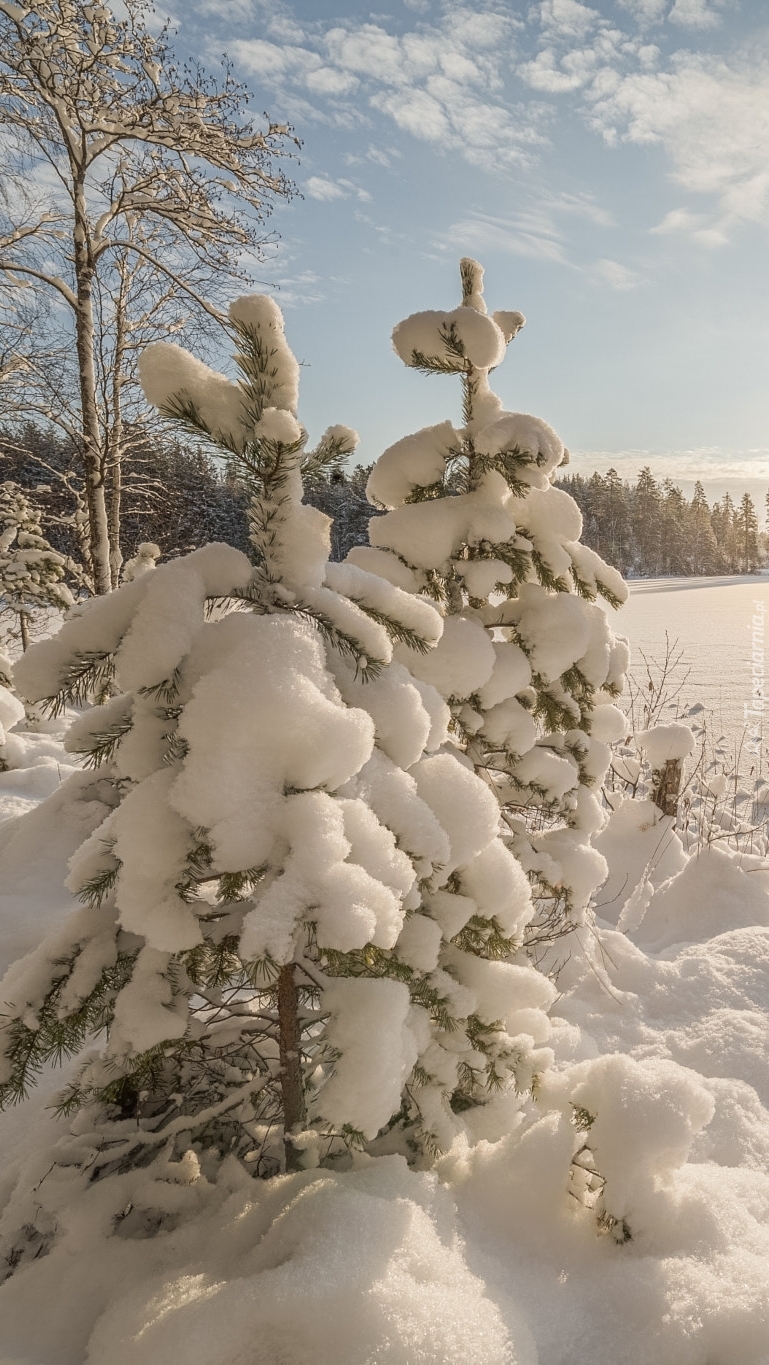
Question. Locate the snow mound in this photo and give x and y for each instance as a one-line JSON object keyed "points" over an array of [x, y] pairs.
{"points": [[313, 1269], [709, 896]]}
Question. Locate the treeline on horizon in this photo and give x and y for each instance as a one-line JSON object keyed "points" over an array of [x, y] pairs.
{"points": [[649, 529], [179, 497]]}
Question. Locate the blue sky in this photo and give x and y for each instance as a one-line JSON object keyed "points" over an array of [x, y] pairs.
{"points": [[608, 164]]}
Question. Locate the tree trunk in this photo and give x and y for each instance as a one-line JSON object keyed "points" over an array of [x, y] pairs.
{"points": [[291, 1086], [115, 446], [92, 454], [667, 786], [24, 627]]}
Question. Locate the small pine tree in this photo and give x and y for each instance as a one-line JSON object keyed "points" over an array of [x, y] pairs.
{"points": [[31, 572], [298, 924], [526, 662]]}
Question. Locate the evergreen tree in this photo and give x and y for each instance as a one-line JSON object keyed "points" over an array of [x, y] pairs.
{"points": [[31, 572], [705, 558], [675, 549], [298, 925], [647, 523], [342, 496], [746, 527], [526, 662], [723, 521]]}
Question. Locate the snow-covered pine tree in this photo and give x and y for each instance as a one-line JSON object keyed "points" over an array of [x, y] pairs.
{"points": [[31, 571], [527, 661], [298, 922]]}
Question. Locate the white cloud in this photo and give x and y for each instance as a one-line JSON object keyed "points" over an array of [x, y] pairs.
{"points": [[231, 9], [617, 276], [696, 13], [271, 60], [324, 80], [713, 121], [368, 50], [646, 11], [448, 82], [320, 187], [580, 206], [416, 112], [441, 82], [567, 18], [520, 235], [382, 157], [323, 188], [678, 220], [714, 466], [543, 73]]}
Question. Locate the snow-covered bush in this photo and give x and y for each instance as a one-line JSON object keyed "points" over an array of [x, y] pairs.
{"points": [[527, 662], [299, 926], [11, 710], [722, 794], [31, 572]]}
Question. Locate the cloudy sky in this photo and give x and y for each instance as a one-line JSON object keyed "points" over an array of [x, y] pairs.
{"points": [[607, 163]]}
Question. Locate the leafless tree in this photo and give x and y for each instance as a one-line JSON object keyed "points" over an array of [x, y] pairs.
{"points": [[129, 185]]}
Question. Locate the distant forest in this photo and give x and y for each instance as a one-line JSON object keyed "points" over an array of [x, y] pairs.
{"points": [[180, 498], [649, 529]]}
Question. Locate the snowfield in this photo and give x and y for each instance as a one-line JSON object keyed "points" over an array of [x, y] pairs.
{"points": [[493, 1258]]}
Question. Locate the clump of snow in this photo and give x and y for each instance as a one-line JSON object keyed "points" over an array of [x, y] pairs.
{"points": [[170, 375], [278, 425], [664, 742], [11, 711], [323, 1268], [144, 559], [509, 322], [451, 339], [461, 662], [413, 462], [376, 1049], [280, 378], [608, 723], [272, 689], [553, 629], [639, 843], [342, 438], [595, 573], [387, 565], [531, 437], [463, 804]]}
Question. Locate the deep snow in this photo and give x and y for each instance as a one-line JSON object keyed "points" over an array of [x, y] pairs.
{"points": [[496, 1257]]}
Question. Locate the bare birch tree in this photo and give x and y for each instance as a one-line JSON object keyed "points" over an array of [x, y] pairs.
{"points": [[128, 182]]}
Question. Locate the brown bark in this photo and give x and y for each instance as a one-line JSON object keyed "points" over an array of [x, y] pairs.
{"points": [[92, 454], [667, 786], [291, 1085]]}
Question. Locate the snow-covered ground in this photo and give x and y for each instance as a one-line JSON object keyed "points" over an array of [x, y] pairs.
{"points": [[710, 618], [495, 1257]]}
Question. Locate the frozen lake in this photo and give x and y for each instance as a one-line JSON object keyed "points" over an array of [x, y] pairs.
{"points": [[711, 619]]}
